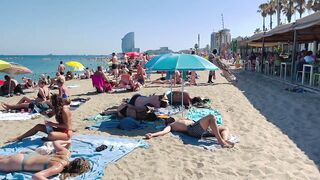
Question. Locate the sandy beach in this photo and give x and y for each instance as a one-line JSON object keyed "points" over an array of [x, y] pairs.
{"points": [[278, 130]]}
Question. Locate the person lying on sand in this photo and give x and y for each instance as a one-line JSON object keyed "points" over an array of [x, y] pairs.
{"points": [[196, 129], [56, 131], [45, 166]]}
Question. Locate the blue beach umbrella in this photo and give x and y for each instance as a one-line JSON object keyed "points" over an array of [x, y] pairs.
{"points": [[181, 62]]}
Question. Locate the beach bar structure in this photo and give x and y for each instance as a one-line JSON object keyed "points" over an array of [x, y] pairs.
{"points": [[304, 30]]}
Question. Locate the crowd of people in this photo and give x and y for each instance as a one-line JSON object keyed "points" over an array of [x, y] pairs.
{"points": [[275, 59], [130, 74]]}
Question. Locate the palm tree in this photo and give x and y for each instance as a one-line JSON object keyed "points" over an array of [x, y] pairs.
{"points": [[316, 6], [300, 6], [257, 30], [263, 10], [288, 9], [309, 5], [271, 10]]}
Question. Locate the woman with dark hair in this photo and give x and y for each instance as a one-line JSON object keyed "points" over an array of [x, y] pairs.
{"points": [[46, 166], [56, 131], [43, 94]]}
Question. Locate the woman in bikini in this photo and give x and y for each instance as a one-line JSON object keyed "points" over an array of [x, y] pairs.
{"points": [[45, 166], [63, 90], [56, 131], [43, 94]]}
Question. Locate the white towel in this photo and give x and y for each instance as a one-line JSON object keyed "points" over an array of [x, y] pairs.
{"points": [[4, 116]]}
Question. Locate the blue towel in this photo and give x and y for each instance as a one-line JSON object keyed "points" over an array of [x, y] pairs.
{"points": [[209, 143], [82, 146], [111, 122], [196, 114]]}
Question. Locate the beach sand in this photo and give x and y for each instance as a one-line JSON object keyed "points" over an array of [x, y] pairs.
{"points": [[279, 133]]}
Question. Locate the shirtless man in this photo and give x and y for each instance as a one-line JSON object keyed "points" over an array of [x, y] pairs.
{"points": [[197, 129], [61, 68], [114, 66]]}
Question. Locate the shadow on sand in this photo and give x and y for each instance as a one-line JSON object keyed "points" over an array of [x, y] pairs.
{"points": [[287, 110]]}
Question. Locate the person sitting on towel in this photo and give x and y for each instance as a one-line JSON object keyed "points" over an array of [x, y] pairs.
{"points": [[196, 129], [62, 130], [45, 166]]}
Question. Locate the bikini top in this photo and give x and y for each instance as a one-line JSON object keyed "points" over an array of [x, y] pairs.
{"points": [[40, 96]]}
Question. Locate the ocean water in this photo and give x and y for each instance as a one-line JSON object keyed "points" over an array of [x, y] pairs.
{"points": [[49, 64]]}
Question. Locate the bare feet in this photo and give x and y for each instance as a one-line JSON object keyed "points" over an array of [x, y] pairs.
{"points": [[148, 136], [226, 144], [12, 140], [4, 106]]}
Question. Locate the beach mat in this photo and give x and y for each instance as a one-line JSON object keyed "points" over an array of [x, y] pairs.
{"points": [[195, 114], [82, 146], [7, 116], [208, 143]]}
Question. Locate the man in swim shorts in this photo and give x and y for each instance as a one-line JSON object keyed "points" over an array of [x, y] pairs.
{"points": [[196, 129]]}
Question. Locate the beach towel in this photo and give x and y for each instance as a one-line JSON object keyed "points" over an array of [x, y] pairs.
{"points": [[82, 146], [196, 114], [108, 122], [7, 116], [77, 102], [169, 110], [209, 143], [73, 86]]}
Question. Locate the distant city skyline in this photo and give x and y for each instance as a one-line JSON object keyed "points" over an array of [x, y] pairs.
{"points": [[96, 27]]}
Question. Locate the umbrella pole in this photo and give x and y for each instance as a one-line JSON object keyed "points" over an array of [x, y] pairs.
{"points": [[171, 93], [182, 94]]}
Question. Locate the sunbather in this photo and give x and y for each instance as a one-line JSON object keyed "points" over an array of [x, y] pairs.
{"points": [[196, 129], [43, 94], [45, 166], [140, 103], [56, 131], [63, 90]]}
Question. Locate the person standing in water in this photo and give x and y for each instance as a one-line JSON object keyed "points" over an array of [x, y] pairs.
{"points": [[114, 65], [61, 68]]}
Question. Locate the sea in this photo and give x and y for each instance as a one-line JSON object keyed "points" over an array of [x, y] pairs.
{"points": [[48, 64]]}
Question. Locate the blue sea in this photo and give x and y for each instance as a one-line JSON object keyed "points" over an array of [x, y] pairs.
{"points": [[49, 64]]}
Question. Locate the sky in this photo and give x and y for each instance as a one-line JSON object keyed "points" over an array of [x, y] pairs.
{"points": [[43, 27]]}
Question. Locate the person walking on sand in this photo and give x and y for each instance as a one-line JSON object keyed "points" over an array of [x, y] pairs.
{"points": [[114, 65], [61, 68], [212, 59], [196, 129]]}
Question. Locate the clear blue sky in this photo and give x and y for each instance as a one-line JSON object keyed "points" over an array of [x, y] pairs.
{"points": [[97, 26]]}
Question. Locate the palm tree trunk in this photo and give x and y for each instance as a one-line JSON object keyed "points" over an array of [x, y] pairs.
{"points": [[264, 24], [290, 11], [270, 21], [300, 11]]}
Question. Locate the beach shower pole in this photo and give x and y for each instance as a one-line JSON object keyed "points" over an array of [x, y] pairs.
{"points": [[294, 48]]}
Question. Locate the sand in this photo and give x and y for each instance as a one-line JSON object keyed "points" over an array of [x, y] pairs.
{"points": [[279, 133]]}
